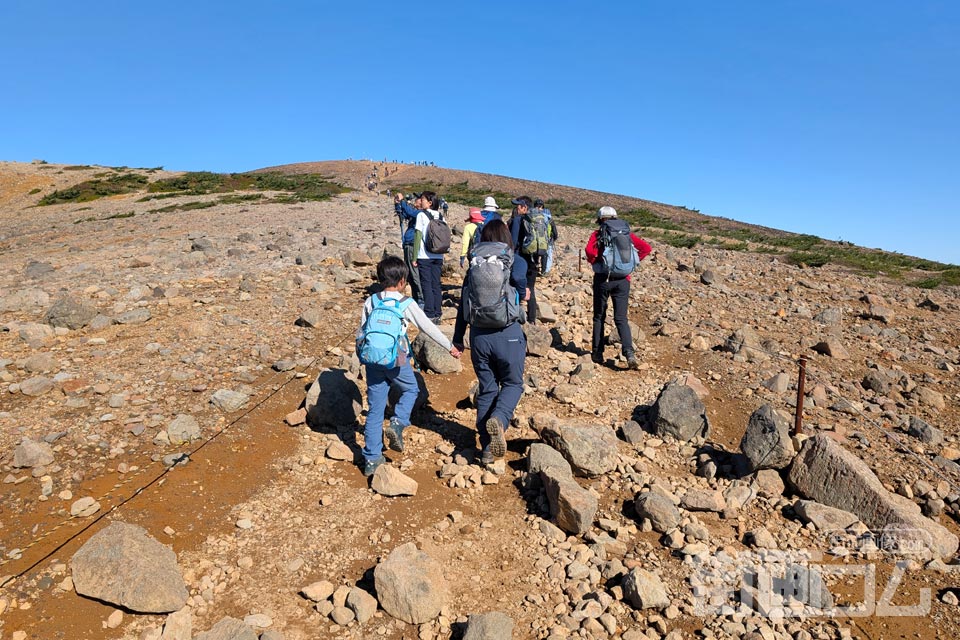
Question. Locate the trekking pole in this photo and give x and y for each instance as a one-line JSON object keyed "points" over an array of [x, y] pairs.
{"points": [[579, 260], [801, 379]]}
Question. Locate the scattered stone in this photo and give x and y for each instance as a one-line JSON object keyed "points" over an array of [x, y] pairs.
{"points": [[590, 450], [679, 412], [124, 566], [30, 453], [36, 386], [924, 432], [572, 506], [389, 481], [135, 316], [363, 605], [432, 356], [84, 507], [766, 442], [318, 591], [183, 428], [704, 500], [178, 625], [228, 629], [410, 585], [337, 450], [832, 347], [333, 400], [541, 456], [70, 312], [659, 510], [644, 590], [489, 626], [229, 401]]}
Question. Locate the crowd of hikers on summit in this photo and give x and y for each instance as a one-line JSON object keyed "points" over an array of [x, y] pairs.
{"points": [[502, 261]]}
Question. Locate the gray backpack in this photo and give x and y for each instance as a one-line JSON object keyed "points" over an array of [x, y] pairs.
{"points": [[438, 235], [490, 301]]}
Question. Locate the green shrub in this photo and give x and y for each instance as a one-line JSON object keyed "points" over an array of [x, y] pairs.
{"points": [[94, 189], [300, 187]]}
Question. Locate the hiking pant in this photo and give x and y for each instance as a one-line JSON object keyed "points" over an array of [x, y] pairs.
{"points": [[619, 290], [379, 380], [533, 270], [430, 284], [498, 357], [414, 280]]}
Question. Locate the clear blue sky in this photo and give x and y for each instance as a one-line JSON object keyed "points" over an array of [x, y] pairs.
{"points": [[839, 118]]}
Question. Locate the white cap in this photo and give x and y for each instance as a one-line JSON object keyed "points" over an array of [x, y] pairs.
{"points": [[606, 212], [489, 204]]}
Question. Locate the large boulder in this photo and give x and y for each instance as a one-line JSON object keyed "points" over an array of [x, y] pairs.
{"points": [[410, 585], [70, 312], [434, 357], [333, 400], [826, 472], [590, 450], [679, 412], [572, 506], [766, 442], [124, 566]]}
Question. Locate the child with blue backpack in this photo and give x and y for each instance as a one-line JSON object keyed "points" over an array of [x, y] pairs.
{"points": [[384, 350], [614, 252]]}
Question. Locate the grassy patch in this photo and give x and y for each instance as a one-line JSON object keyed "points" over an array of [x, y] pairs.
{"points": [[459, 193], [94, 189], [115, 216], [34, 192], [77, 167], [299, 187]]}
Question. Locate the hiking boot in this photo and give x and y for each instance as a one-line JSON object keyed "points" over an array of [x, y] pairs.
{"points": [[597, 358], [394, 435], [486, 457], [498, 444], [632, 362], [370, 466]]}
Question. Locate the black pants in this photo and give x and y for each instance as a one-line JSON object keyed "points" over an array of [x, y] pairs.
{"points": [[619, 290], [533, 270]]}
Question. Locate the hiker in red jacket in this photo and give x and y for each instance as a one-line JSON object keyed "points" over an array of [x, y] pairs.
{"points": [[615, 285]]}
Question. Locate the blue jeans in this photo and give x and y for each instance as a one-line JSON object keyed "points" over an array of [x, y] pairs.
{"points": [[379, 381], [498, 358], [430, 284]]}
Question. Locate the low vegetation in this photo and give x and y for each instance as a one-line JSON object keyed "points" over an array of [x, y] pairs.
{"points": [[98, 188], [296, 187], [800, 249]]}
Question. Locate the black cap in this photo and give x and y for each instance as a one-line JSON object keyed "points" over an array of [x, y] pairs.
{"points": [[416, 195], [538, 202], [521, 200]]}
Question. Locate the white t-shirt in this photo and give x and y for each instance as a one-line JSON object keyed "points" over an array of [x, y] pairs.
{"points": [[423, 219]]}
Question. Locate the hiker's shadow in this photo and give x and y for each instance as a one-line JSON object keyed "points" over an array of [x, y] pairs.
{"points": [[566, 347]]}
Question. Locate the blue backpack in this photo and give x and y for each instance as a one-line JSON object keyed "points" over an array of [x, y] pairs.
{"points": [[383, 337]]}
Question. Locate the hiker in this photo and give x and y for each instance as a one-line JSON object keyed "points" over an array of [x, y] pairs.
{"points": [[614, 251], [407, 213], [490, 303], [473, 220], [428, 260], [490, 211], [529, 235], [390, 367], [546, 262]]}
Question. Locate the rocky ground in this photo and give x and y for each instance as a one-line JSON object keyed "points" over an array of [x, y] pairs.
{"points": [[126, 342]]}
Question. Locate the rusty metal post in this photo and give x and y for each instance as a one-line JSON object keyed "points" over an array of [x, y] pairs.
{"points": [[801, 379]]}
